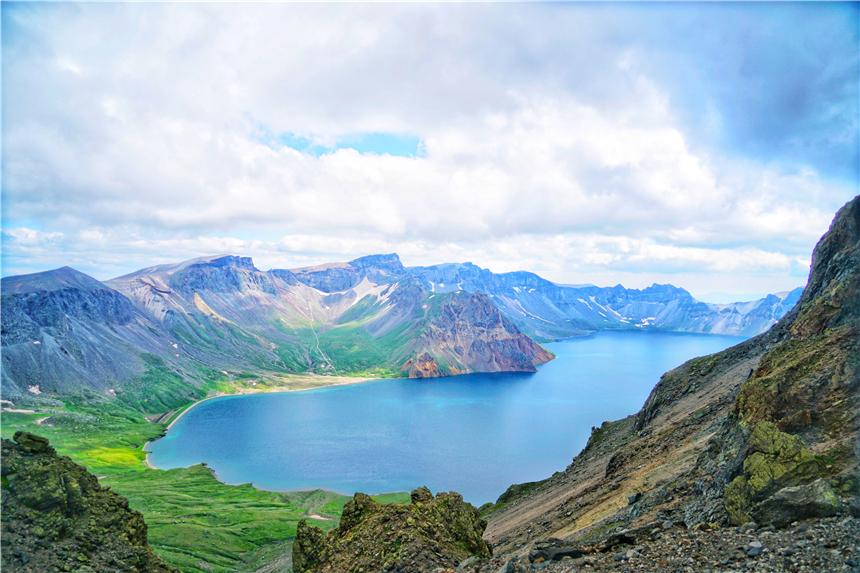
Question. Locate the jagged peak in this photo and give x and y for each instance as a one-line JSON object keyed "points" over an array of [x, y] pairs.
{"points": [[835, 250], [55, 279]]}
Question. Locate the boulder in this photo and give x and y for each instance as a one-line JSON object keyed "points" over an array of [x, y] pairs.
{"points": [[421, 495], [816, 499], [554, 550], [32, 442]]}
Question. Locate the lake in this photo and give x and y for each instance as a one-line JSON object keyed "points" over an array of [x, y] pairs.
{"points": [[476, 434]]}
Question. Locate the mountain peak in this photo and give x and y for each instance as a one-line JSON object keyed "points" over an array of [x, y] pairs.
{"points": [[234, 261], [830, 297], [55, 279], [389, 261], [835, 251]]}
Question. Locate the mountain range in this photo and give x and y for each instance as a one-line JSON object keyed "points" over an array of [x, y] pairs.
{"points": [[746, 459], [164, 326]]}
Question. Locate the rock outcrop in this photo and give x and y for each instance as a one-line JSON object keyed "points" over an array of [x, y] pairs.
{"points": [[428, 534], [56, 516], [468, 333]]}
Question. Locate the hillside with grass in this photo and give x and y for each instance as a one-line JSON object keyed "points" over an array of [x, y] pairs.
{"points": [[196, 523]]}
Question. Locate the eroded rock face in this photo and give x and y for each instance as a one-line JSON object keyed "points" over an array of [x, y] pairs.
{"points": [[429, 533], [56, 516], [423, 366], [469, 333], [806, 389]]}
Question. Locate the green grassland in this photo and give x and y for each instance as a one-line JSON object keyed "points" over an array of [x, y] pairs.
{"points": [[195, 522]]}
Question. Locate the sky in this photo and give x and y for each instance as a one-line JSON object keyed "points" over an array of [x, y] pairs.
{"points": [[703, 145]]}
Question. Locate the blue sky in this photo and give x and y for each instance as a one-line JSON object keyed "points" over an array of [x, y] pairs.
{"points": [[707, 145], [394, 144]]}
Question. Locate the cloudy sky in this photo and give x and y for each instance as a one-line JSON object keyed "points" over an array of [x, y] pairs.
{"points": [[703, 145]]}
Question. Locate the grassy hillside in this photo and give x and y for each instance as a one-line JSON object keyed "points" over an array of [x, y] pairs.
{"points": [[195, 522]]}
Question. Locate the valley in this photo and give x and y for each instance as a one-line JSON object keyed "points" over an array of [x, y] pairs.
{"points": [[196, 522]]}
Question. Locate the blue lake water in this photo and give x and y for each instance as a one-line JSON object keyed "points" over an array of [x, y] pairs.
{"points": [[476, 434]]}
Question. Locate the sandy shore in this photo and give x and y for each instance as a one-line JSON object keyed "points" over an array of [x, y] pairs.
{"points": [[285, 383]]}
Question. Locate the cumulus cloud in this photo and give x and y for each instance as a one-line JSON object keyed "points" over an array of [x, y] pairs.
{"points": [[553, 138]]}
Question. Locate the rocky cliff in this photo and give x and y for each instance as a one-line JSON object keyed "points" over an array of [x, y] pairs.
{"points": [[765, 431], [56, 516], [429, 534], [468, 332]]}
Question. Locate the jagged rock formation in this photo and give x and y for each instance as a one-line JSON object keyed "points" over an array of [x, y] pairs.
{"points": [[428, 534], [467, 333], [766, 430], [56, 516]]}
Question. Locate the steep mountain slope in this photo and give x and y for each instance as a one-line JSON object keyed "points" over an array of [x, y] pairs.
{"points": [[353, 317], [157, 335], [467, 332], [63, 330], [766, 430], [56, 516]]}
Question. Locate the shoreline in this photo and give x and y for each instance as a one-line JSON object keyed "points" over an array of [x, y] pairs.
{"points": [[299, 380]]}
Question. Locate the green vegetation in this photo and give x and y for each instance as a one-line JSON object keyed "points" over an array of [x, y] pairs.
{"points": [[195, 522], [158, 389], [774, 460], [346, 349]]}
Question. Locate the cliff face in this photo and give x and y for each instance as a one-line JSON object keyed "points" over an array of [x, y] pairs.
{"points": [[431, 533], [469, 333], [766, 431], [56, 516]]}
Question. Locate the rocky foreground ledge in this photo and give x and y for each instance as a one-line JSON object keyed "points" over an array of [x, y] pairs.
{"points": [[56, 516], [430, 534]]}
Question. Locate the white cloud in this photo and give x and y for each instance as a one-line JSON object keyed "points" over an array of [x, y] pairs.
{"points": [[26, 236], [135, 134]]}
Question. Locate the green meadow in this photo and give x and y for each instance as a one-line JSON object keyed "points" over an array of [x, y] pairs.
{"points": [[196, 523]]}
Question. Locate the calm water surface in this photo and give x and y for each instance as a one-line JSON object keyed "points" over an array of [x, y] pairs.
{"points": [[475, 434]]}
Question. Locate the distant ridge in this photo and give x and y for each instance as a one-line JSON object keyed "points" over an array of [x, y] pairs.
{"points": [[183, 322]]}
